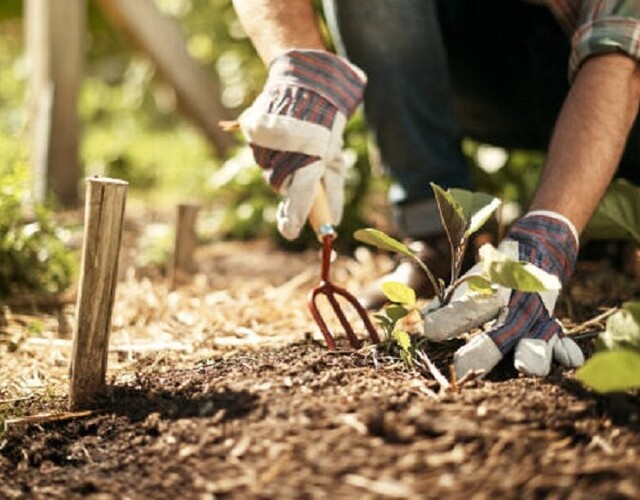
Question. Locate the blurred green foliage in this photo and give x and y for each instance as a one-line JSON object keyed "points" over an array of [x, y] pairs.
{"points": [[133, 130], [33, 254]]}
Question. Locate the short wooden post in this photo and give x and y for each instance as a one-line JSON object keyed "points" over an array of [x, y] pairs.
{"points": [[186, 243], [104, 215]]}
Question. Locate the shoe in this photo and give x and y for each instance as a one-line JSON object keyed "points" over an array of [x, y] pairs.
{"points": [[434, 252]]}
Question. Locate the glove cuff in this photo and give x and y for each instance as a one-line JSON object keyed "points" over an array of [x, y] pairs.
{"points": [[281, 164], [328, 75], [547, 240], [561, 218]]}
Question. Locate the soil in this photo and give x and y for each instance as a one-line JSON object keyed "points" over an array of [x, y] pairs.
{"points": [[222, 388]]}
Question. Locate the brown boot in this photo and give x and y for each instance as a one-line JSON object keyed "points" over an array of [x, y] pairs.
{"points": [[434, 252]]}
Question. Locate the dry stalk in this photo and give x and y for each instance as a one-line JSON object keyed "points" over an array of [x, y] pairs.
{"points": [[433, 369], [43, 418], [452, 377], [597, 320]]}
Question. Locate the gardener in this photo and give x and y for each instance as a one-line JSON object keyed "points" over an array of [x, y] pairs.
{"points": [[437, 71]]}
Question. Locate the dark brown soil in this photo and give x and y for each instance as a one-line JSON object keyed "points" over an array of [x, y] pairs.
{"points": [[297, 421]]}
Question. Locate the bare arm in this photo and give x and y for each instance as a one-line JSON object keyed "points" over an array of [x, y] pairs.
{"points": [[275, 26], [589, 137]]}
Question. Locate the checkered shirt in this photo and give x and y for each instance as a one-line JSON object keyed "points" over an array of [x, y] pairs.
{"points": [[598, 27]]}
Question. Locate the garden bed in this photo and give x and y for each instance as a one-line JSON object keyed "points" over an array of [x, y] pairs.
{"points": [[223, 388]]}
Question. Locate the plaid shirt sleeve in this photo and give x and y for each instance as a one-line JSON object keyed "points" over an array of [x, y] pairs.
{"points": [[598, 27]]}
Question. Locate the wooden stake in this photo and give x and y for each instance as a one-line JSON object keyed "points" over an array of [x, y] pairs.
{"points": [[104, 214], [186, 243]]}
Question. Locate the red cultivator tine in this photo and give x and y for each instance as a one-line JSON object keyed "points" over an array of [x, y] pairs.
{"points": [[320, 219], [330, 291]]}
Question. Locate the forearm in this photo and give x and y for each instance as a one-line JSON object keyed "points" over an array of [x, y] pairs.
{"points": [[275, 26], [589, 137]]}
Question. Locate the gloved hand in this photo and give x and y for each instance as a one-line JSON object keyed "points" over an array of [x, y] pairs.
{"points": [[295, 129], [524, 321]]}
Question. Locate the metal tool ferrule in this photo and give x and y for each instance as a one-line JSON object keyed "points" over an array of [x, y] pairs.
{"points": [[326, 230]]}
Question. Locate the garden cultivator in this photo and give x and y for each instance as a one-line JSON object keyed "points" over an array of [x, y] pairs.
{"points": [[321, 222]]}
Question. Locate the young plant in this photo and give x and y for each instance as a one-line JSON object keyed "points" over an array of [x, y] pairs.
{"points": [[402, 302], [616, 367], [463, 213]]}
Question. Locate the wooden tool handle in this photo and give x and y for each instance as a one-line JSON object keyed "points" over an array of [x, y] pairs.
{"points": [[320, 215]]}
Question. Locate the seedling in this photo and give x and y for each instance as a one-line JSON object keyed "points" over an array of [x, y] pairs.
{"points": [[402, 302], [462, 213]]}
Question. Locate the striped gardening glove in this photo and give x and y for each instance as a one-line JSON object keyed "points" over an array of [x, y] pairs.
{"points": [[295, 129], [524, 321]]}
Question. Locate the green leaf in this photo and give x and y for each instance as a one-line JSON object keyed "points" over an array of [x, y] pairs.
{"points": [[403, 339], [384, 321], [522, 276], [477, 207], [378, 239], [618, 214], [452, 215], [611, 371], [479, 284], [396, 312], [623, 327], [514, 274], [399, 293]]}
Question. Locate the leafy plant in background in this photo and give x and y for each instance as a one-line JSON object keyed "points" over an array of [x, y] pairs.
{"points": [[33, 256], [618, 214], [616, 365]]}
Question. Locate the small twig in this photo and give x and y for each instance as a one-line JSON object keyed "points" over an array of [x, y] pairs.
{"points": [[452, 376], [228, 125], [437, 374], [380, 488], [593, 321], [43, 418], [15, 400], [468, 377]]}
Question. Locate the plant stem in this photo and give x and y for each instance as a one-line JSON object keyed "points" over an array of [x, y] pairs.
{"points": [[452, 288], [457, 260], [436, 286]]}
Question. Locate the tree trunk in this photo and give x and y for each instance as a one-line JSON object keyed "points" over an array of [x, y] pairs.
{"points": [[198, 93]]}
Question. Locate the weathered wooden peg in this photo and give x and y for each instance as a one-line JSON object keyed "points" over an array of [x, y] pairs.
{"points": [[103, 222]]}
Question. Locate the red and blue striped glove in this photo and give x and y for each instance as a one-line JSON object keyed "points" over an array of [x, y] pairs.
{"points": [[295, 129], [524, 321]]}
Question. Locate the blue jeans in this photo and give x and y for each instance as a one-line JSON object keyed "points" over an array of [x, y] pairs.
{"points": [[440, 70]]}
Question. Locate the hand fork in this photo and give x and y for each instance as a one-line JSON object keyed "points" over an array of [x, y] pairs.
{"points": [[322, 223]]}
